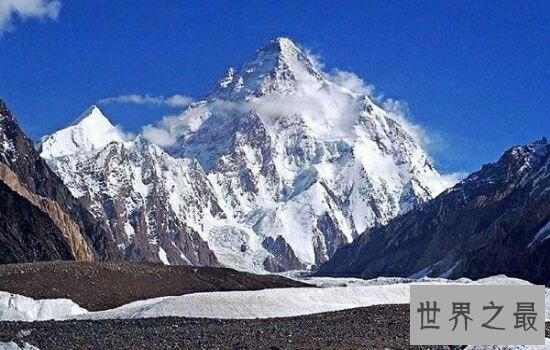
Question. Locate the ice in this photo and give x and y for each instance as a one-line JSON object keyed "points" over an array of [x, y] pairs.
{"points": [[14, 346], [286, 302], [14, 307], [334, 294]]}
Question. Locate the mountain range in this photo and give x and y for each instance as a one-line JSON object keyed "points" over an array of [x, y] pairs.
{"points": [[280, 166]]}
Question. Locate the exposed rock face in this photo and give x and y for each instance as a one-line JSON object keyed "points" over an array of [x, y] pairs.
{"points": [[282, 256], [496, 221], [69, 229], [152, 202], [27, 233], [29, 178], [278, 166]]}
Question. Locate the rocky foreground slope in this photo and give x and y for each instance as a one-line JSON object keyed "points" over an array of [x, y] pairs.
{"points": [[39, 218], [375, 327], [495, 221], [278, 166]]}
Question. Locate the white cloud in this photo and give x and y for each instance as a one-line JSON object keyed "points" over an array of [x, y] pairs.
{"points": [[330, 110], [178, 100], [453, 178], [158, 136], [442, 182], [25, 9], [166, 132], [315, 59], [172, 101], [351, 82], [399, 110]]}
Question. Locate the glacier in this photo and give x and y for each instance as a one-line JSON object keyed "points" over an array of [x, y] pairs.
{"points": [[330, 294]]}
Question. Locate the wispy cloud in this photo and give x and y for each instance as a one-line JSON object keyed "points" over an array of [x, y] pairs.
{"points": [[26, 9], [452, 179], [399, 110], [330, 110], [351, 82], [172, 101], [158, 136]]}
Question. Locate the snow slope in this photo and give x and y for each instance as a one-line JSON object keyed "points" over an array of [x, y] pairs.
{"points": [[90, 132], [155, 205], [286, 302], [14, 346], [299, 153], [265, 303], [14, 307]]}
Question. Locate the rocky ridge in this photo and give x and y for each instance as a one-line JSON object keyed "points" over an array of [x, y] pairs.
{"points": [[496, 221]]}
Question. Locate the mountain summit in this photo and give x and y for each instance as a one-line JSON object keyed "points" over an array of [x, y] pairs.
{"points": [[92, 131], [276, 168], [279, 67]]}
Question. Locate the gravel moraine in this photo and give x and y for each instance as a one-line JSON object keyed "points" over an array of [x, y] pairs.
{"points": [[384, 326]]}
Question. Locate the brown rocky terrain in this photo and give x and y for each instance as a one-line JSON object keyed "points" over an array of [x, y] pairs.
{"points": [[26, 232], [105, 285], [376, 327], [373, 327], [69, 230]]}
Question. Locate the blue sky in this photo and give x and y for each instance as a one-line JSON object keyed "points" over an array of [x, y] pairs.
{"points": [[475, 75]]}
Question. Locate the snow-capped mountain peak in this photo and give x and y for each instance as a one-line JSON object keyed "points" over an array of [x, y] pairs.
{"points": [[90, 132], [282, 165], [92, 115], [152, 202], [280, 67], [288, 53]]}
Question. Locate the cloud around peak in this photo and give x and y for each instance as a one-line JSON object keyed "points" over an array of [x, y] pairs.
{"points": [[171, 101], [26, 9], [331, 110], [329, 107], [158, 135]]}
